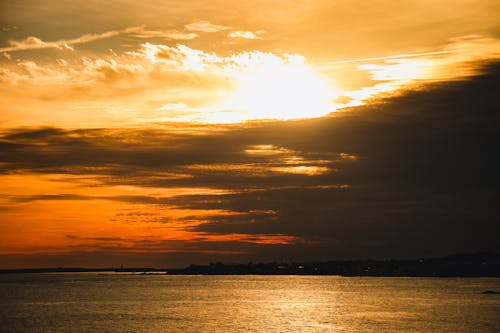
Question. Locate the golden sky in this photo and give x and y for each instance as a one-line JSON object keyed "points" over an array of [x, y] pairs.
{"points": [[143, 127]]}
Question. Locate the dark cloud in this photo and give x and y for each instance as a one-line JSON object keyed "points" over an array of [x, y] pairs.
{"points": [[422, 180], [27, 198]]}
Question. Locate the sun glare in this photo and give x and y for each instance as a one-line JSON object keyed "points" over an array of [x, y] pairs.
{"points": [[276, 90]]}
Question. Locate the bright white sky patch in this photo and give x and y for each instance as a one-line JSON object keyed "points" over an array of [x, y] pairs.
{"points": [[272, 87]]}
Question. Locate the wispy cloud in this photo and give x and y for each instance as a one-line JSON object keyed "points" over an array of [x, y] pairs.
{"points": [[9, 28], [389, 57], [247, 34], [461, 57], [205, 26], [165, 34], [33, 43]]}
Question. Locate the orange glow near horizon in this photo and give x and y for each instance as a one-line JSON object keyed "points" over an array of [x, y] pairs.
{"points": [[94, 217]]}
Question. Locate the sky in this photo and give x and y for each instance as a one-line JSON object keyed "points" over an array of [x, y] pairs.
{"points": [[165, 133]]}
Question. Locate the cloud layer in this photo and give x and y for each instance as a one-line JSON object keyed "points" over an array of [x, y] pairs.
{"points": [[412, 175]]}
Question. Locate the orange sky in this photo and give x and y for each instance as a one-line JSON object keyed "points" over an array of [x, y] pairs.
{"points": [[129, 127]]}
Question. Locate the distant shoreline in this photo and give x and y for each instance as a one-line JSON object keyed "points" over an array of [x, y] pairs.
{"points": [[460, 265]]}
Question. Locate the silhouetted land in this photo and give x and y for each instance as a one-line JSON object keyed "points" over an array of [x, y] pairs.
{"points": [[82, 270], [461, 265], [464, 265]]}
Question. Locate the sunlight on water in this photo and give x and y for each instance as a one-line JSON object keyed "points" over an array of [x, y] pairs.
{"points": [[138, 303]]}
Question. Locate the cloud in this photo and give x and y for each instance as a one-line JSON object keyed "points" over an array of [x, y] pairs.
{"points": [[246, 34], [414, 174], [58, 81], [109, 69], [31, 43], [205, 26], [131, 87], [462, 56], [34, 43], [459, 58], [150, 60], [392, 57], [165, 34], [9, 28], [166, 54], [186, 58], [242, 159]]}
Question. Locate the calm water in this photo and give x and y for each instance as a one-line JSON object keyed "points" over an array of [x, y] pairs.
{"points": [[92, 302]]}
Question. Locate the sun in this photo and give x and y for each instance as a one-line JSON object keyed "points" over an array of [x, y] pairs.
{"points": [[276, 89]]}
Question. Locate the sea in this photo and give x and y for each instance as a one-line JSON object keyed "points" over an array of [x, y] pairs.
{"points": [[118, 302]]}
